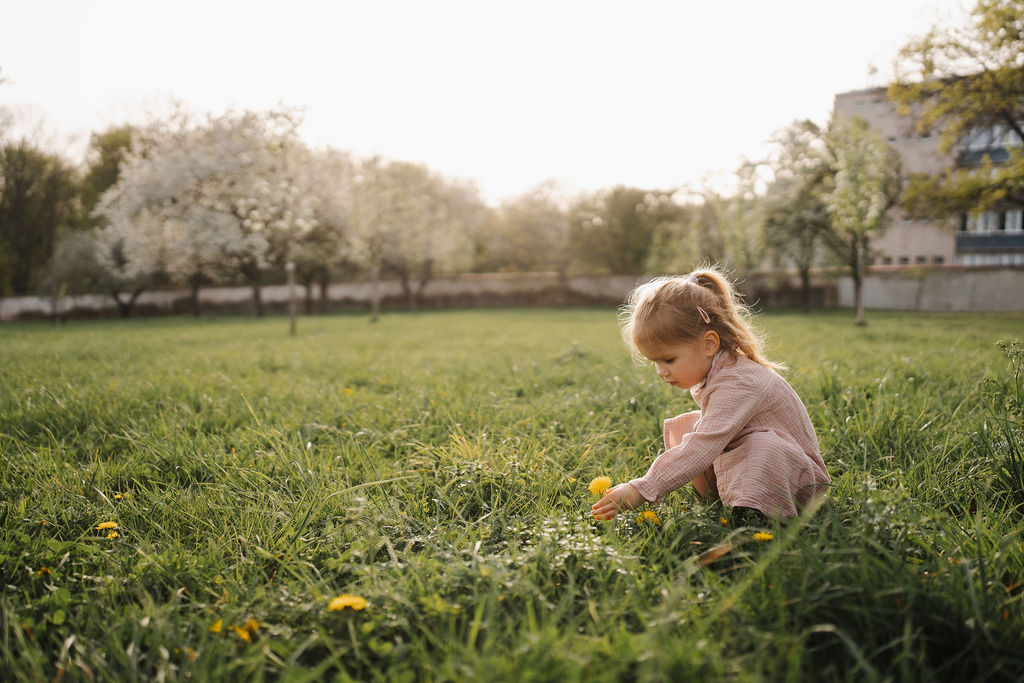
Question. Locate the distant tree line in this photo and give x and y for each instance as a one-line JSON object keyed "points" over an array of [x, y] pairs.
{"points": [[192, 201]]}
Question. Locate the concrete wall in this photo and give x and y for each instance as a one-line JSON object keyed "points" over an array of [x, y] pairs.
{"points": [[938, 288], [941, 288], [520, 289]]}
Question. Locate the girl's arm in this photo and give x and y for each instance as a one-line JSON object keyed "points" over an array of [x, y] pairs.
{"points": [[728, 409]]}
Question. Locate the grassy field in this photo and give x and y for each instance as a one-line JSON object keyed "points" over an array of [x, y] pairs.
{"points": [[436, 467]]}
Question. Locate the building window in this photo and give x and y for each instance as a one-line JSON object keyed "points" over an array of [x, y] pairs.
{"points": [[938, 260], [1014, 220], [904, 260], [887, 260], [985, 221], [920, 260]]}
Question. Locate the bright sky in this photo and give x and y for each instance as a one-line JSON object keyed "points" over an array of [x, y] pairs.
{"points": [[509, 93]]}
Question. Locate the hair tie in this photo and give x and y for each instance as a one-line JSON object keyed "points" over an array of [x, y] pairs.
{"points": [[704, 314], [694, 280]]}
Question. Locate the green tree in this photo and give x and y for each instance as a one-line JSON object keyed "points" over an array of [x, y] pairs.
{"points": [[968, 81], [613, 230], [107, 149], [866, 183], [38, 196], [532, 233], [741, 223], [796, 217]]}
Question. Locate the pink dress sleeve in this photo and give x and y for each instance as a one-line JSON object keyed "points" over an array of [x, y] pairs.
{"points": [[694, 440]]}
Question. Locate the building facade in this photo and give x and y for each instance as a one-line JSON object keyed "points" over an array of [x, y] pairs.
{"points": [[987, 238]]}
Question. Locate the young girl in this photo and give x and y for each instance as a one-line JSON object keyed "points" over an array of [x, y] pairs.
{"points": [[751, 444]]}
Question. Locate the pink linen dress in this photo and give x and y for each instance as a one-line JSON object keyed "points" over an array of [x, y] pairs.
{"points": [[756, 432]]}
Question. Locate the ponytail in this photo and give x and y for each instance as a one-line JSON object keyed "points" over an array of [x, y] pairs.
{"points": [[669, 310]]}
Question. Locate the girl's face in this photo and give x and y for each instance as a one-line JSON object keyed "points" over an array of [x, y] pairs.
{"points": [[685, 364]]}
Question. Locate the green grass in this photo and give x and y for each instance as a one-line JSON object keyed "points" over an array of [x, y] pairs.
{"points": [[437, 466]]}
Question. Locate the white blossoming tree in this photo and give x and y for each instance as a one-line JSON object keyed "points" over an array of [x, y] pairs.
{"points": [[866, 183], [325, 244], [413, 223], [197, 199]]}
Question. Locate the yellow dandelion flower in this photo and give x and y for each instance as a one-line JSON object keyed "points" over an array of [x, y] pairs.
{"points": [[242, 632], [106, 525], [648, 516], [763, 536], [216, 626], [599, 485], [118, 496], [725, 521], [349, 391], [43, 571], [112, 535], [346, 600]]}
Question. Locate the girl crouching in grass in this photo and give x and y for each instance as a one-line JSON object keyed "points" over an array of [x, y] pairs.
{"points": [[751, 444]]}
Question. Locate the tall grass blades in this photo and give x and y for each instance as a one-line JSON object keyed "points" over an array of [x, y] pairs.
{"points": [[1002, 436], [405, 501]]}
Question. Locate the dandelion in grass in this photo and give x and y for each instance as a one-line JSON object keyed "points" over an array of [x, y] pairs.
{"points": [[44, 571], [216, 626], [648, 516], [349, 391], [763, 536], [599, 485], [725, 522], [342, 601], [112, 535], [106, 525]]}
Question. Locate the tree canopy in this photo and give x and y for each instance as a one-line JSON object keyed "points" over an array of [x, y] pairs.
{"points": [[969, 82]]}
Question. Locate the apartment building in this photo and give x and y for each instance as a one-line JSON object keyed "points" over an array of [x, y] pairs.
{"points": [[988, 238]]}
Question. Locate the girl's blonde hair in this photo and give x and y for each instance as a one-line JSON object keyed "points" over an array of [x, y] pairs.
{"points": [[672, 310]]}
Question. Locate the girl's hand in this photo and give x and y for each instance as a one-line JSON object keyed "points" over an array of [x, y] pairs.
{"points": [[621, 497]]}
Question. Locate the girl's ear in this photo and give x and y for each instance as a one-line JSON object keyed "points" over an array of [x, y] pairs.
{"points": [[711, 342]]}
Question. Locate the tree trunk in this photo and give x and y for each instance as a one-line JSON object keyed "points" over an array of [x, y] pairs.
{"points": [[410, 295], [417, 297], [375, 294], [325, 284], [125, 307], [257, 293], [805, 290], [858, 281], [194, 295]]}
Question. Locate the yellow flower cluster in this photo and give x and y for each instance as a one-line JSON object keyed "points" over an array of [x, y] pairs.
{"points": [[648, 516], [763, 536], [599, 485], [106, 525], [244, 631], [345, 600]]}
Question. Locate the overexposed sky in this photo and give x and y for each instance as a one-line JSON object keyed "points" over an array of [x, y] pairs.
{"points": [[646, 93]]}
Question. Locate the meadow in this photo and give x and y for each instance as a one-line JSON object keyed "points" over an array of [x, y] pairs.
{"points": [[408, 500]]}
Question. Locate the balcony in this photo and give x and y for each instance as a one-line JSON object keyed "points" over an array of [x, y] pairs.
{"points": [[989, 241], [973, 157]]}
